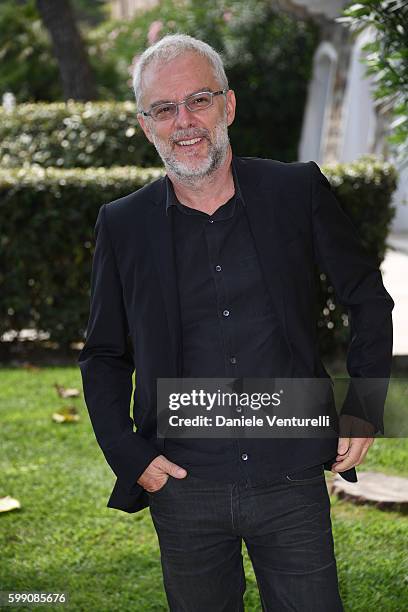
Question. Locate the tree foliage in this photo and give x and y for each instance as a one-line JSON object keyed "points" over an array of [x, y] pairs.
{"points": [[28, 67], [387, 59], [267, 54]]}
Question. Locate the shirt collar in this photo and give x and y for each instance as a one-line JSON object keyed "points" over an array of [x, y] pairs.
{"points": [[171, 198]]}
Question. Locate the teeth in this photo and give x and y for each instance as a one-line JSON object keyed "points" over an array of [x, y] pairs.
{"points": [[188, 142]]}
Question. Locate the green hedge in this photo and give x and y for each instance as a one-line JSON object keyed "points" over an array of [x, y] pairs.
{"points": [[46, 237], [74, 135], [47, 220]]}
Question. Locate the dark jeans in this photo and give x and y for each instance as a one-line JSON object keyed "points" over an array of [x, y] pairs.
{"points": [[285, 525]]}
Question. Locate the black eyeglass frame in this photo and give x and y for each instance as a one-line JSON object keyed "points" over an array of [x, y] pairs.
{"points": [[185, 101]]}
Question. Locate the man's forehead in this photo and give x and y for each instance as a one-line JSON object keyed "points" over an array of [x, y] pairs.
{"points": [[177, 78]]}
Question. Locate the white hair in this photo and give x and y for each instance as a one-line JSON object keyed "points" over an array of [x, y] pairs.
{"points": [[172, 46]]}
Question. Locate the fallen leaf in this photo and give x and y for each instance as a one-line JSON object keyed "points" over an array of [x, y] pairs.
{"points": [[9, 503], [66, 393], [67, 414]]}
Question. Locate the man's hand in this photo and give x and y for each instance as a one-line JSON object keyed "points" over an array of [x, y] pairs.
{"points": [[157, 473], [352, 451]]}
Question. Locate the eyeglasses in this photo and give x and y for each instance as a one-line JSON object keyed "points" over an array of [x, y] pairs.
{"points": [[195, 102]]}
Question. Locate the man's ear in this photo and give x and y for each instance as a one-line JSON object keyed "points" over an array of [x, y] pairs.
{"points": [[231, 106], [145, 126]]}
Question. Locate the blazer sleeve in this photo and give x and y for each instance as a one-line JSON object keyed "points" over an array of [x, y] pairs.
{"points": [[106, 365], [358, 285]]}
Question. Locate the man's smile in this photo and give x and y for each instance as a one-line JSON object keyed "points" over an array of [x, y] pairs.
{"points": [[189, 143]]}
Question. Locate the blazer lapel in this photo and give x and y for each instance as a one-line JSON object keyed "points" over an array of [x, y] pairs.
{"points": [[260, 206], [160, 231]]}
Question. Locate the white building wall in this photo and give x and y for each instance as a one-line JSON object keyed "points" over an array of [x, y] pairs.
{"points": [[318, 104], [359, 117]]}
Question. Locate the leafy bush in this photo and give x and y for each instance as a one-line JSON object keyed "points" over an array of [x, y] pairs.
{"points": [[74, 135], [47, 220], [48, 216]]}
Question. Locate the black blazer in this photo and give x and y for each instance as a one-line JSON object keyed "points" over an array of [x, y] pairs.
{"points": [[134, 321]]}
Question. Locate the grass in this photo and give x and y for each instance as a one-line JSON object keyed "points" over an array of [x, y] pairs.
{"points": [[65, 539]]}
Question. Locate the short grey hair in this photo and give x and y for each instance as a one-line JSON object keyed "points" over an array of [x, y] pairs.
{"points": [[170, 47]]}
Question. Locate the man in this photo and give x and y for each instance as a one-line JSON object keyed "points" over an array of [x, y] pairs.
{"points": [[208, 272]]}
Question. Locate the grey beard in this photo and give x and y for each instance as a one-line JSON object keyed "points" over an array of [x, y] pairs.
{"points": [[216, 155]]}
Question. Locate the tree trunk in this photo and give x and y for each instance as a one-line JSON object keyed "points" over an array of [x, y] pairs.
{"points": [[76, 74]]}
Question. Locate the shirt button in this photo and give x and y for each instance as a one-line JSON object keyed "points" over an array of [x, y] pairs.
{"points": [[244, 456], [218, 268], [225, 313], [210, 220], [233, 360]]}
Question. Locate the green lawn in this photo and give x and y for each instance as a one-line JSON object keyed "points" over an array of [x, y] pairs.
{"points": [[65, 539]]}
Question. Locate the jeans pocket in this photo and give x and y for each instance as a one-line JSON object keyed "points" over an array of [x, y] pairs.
{"points": [[310, 474]]}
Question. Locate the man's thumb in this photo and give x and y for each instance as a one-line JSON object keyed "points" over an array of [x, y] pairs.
{"points": [[175, 470], [343, 445]]}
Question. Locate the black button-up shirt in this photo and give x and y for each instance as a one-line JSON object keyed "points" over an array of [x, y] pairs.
{"points": [[229, 329]]}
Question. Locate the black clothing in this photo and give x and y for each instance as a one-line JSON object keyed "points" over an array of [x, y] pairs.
{"points": [[229, 329], [135, 324]]}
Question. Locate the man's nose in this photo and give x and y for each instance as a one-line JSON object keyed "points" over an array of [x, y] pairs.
{"points": [[184, 117]]}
